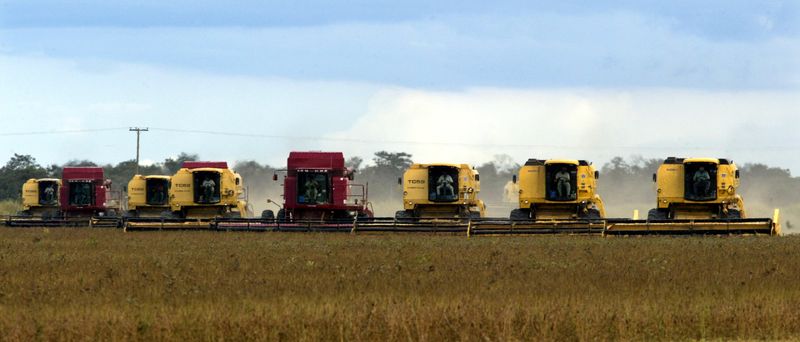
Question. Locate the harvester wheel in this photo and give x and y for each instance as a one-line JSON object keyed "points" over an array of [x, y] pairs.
{"points": [[656, 215], [362, 216], [520, 215], [404, 216], [593, 214], [282, 216], [168, 215], [268, 215]]}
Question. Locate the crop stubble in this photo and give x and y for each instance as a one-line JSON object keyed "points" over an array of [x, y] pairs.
{"points": [[103, 284]]}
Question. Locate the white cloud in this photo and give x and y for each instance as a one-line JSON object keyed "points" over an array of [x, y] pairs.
{"points": [[471, 125], [474, 125]]}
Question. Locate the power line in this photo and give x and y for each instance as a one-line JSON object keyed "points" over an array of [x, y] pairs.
{"points": [[463, 144], [68, 131], [415, 142], [138, 133]]}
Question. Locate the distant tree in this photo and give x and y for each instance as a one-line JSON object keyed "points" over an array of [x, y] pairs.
{"points": [[17, 170], [172, 165], [80, 163], [393, 161], [354, 163], [504, 164]]}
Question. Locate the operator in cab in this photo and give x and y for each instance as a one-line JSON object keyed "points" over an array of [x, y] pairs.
{"points": [[563, 186], [209, 186], [444, 186], [312, 190], [701, 182], [49, 194]]}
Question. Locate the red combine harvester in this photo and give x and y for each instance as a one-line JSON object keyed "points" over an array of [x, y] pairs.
{"points": [[317, 187], [85, 198], [86, 193]]}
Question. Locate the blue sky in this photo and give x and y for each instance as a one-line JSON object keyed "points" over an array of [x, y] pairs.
{"points": [[591, 79]]}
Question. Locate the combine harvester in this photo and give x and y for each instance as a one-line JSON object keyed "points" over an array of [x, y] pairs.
{"points": [[555, 196], [697, 196], [81, 198], [441, 192], [148, 196], [200, 193], [318, 194]]}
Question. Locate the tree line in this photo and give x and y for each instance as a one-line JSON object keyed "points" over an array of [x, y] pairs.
{"points": [[622, 180]]}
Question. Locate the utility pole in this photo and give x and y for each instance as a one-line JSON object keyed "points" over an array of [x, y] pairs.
{"points": [[138, 132]]}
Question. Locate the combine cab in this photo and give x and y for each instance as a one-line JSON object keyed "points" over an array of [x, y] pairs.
{"points": [[81, 198], [558, 190], [558, 196], [204, 190], [148, 196], [40, 198], [317, 187], [447, 191], [697, 196]]}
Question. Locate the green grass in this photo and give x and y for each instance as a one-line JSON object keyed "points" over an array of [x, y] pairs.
{"points": [[75, 284], [9, 207]]}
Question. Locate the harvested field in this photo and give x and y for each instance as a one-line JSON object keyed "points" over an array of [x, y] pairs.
{"points": [[72, 284]]}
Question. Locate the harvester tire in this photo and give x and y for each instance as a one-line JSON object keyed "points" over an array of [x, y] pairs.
{"points": [[268, 215], [593, 214], [362, 216], [656, 215], [520, 215], [404, 216], [282, 216], [168, 215]]}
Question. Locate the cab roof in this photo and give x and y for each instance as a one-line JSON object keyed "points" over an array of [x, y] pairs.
{"points": [[562, 161], [315, 160], [422, 166], [539, 162], [156, 177], [675, 160], [207, 169], [204, 165]]}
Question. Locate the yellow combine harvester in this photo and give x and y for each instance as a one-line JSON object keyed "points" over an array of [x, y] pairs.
{"points": [[199, 193], [148, 196], [203, 190], [558, 190], [40, 198], [698, 195], [441, 191]]}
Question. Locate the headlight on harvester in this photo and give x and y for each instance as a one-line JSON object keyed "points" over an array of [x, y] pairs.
{"points": [[731, 190], [470, 190]]}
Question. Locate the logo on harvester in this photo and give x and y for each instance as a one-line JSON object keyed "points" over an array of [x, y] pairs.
{"points": [[416, 181]]}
